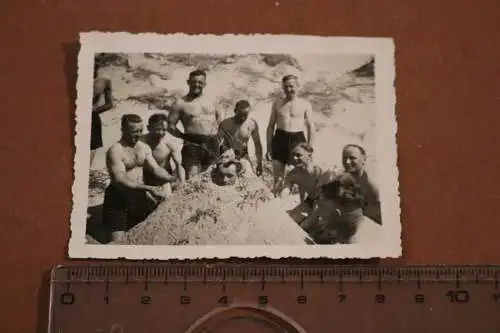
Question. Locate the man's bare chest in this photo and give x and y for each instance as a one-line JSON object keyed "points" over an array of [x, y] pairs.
{"points": [[291, 109], [161, 154], [197, 110], [133, 158]]}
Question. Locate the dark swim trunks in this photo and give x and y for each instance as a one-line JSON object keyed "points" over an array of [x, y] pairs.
{"points": [[283, 143], [202, 150], [123, 210], [96, 132]]}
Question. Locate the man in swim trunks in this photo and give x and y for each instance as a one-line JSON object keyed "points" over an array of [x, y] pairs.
{"points": [[102, 101], [201, 121], [127, 201], [235, 132], [289, 115], [163, 150], [353, 159]]}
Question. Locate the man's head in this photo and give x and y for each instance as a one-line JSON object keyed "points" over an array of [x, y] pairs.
{"points": [[302, 155], [226, 173], [157, 126], [196, 82], [241, 111], [344, 191], [290, 85], [132, 128], [353, 158]]}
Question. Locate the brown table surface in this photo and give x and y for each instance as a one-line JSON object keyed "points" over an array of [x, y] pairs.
{"points": [[448, 108]]}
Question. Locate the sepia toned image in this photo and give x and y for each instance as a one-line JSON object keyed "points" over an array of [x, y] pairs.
{"points": [[235, 146]]}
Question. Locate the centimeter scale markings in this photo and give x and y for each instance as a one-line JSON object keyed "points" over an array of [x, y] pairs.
{"points": [[226, 298]]}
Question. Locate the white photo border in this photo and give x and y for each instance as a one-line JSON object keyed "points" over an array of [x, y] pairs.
{"points": [[382, 48]]}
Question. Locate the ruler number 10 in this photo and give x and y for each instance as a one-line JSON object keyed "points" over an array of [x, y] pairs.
{"points": [[458, 296]]}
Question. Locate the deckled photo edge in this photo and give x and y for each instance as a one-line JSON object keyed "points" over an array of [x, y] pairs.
{"points": [[92, 42]]}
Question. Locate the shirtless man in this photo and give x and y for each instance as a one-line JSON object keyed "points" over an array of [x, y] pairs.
{"points": [[163, 151], [235, 132], [353, 159], [102, 101], [289, 114], [309, 178], [127, 201], [201, 121]]}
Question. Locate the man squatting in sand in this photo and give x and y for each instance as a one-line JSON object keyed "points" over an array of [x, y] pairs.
{"points": [[163, 150], [235, 132], [102, 101], [346, 222], [126, 201], [289, 114], [353, 160], [200, 120], [309, 177]]}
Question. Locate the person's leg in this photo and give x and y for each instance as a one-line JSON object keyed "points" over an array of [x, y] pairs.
{"points": [[191, 160], [278, 176], [92, 156], [114, 214]]}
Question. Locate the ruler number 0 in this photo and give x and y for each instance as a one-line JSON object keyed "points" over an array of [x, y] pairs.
{"points": [[67, 299]]}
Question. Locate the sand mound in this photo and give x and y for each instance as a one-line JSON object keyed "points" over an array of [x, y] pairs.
{"points": [[203, 213]]}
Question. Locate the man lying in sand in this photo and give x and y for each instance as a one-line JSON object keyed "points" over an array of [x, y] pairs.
{"points": [[308, 177], [235, 132], [126, 201], [349, 225], [102, 101], [289, 115], [201, 121], [353, 159], [229, 169], [163, 150]]}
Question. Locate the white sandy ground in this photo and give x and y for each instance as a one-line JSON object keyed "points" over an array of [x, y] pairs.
{"points": [[342, 114]]}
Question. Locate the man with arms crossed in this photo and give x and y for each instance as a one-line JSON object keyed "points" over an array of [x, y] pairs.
{"points": [[163, 151], [126, 201], [235, 132], [200, 120], [289, 115]]}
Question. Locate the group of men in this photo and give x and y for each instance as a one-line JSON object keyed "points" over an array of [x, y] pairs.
{"points": [[206, 135]]}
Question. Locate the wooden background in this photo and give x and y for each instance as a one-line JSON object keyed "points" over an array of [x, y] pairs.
{"points": [[448, 108]]}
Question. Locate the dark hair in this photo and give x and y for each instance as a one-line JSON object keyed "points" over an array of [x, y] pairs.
{"points": [[197, 72], [361, 149], [242, 104], [130, 118], [289, 77], [156, 118], [307, 147], [349, 197]]}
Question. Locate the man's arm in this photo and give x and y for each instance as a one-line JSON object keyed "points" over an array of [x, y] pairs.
{"points": [[118, 172], [108, 98], [173, 118], [219, 116], [222, 137], [177, 157], [270, 127], [155, 169], [257, 142], [311, 131]]}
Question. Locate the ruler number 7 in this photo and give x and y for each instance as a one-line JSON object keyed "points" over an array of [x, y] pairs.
{"points": [[342, 297]]}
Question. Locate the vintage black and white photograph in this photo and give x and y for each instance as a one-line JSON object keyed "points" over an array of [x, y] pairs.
{"points": [[235, 146]]}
